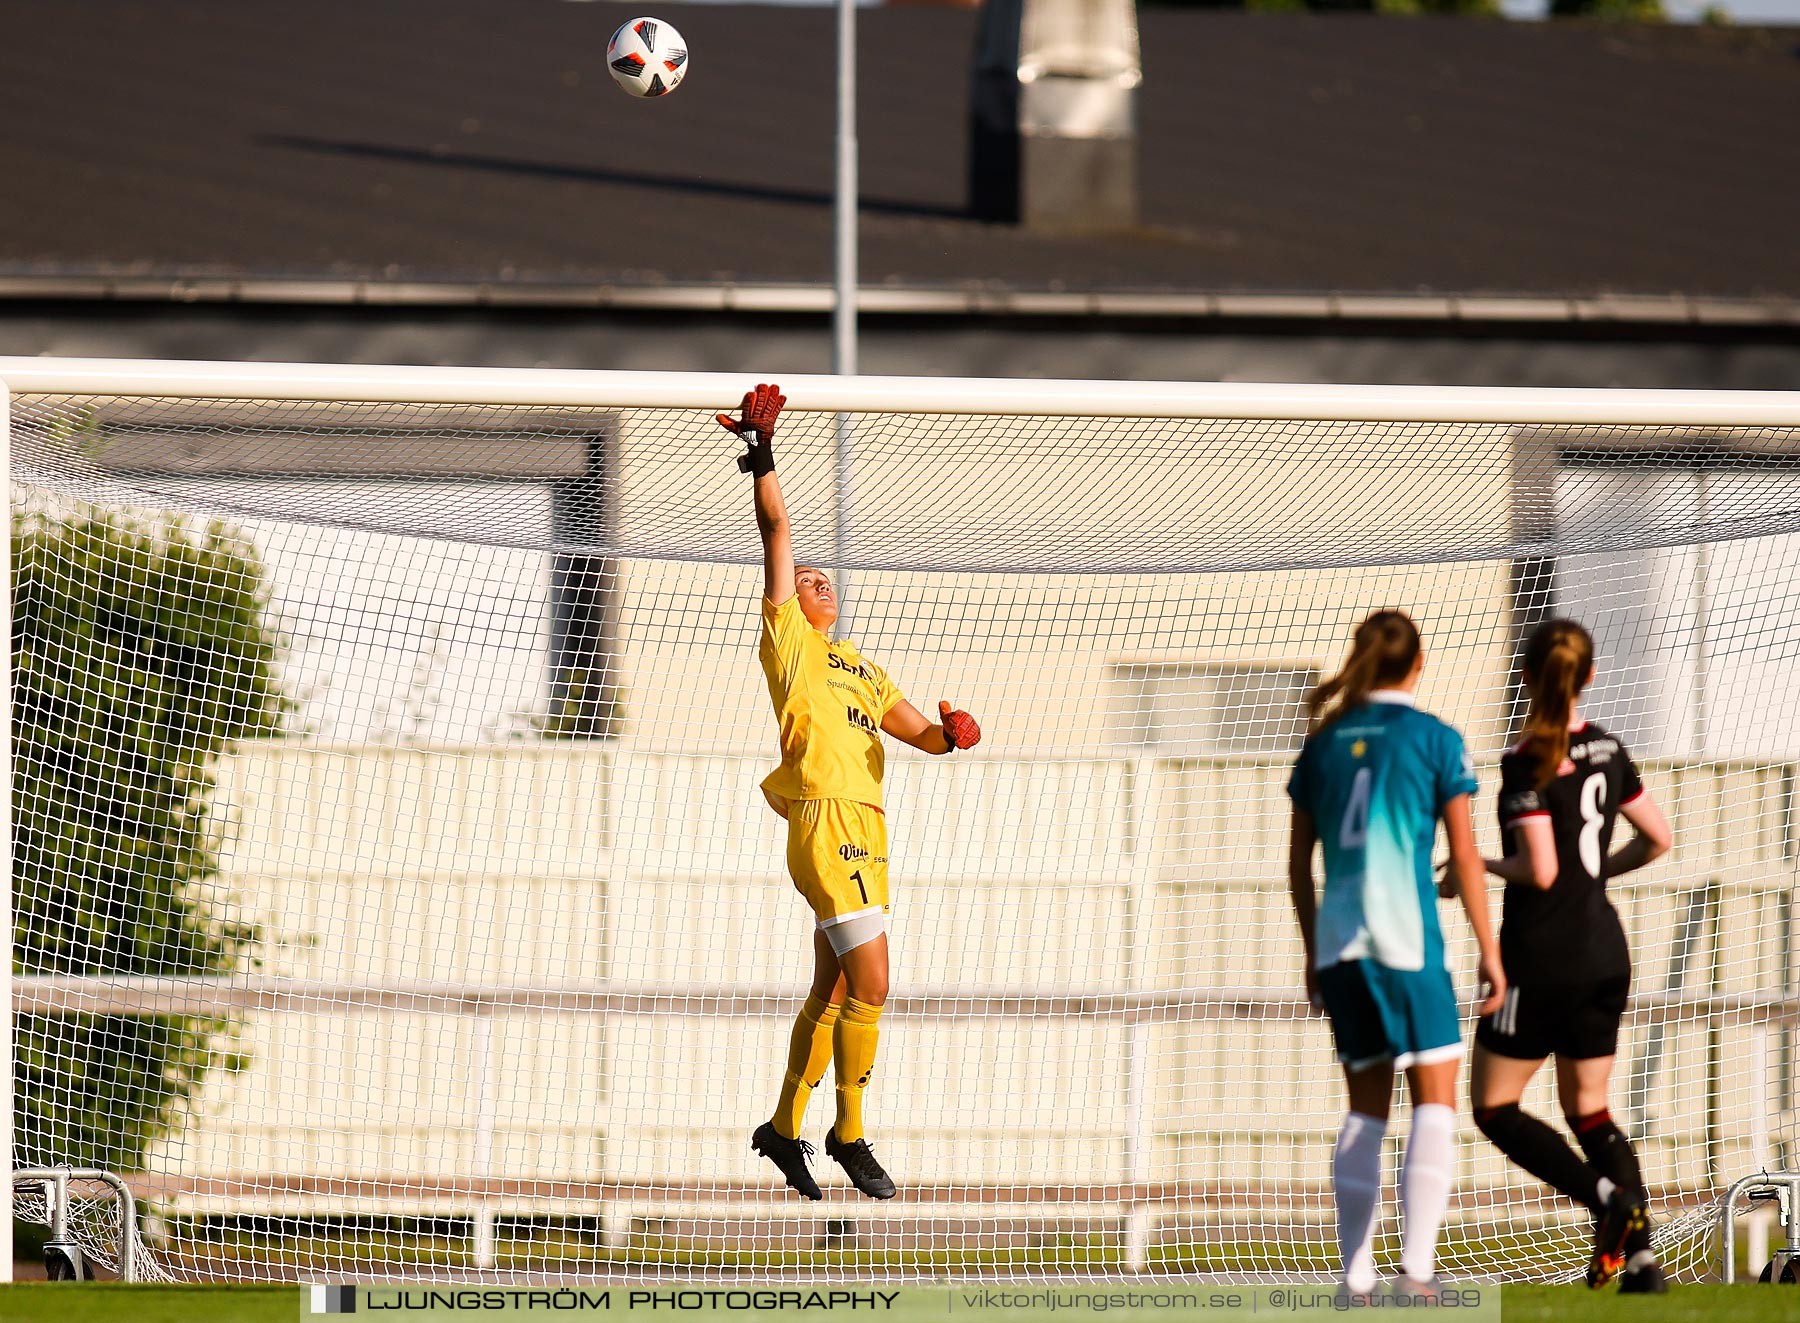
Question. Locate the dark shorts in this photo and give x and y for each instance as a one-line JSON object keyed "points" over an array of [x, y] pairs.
{"points": [[1406, 1016], [1574, 1020]]}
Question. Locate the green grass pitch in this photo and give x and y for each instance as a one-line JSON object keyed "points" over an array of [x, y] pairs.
{"points": [[63, 1302]]}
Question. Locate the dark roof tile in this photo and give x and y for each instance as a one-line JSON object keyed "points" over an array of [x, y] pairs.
{"points": [[483, 140]]}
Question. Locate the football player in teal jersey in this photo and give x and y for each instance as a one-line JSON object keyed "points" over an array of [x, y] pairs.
{"points": [[1373, 781]]}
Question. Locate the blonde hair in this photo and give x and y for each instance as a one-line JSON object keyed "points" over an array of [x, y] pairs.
{"points": [[1559, 658], [1386, 646]]}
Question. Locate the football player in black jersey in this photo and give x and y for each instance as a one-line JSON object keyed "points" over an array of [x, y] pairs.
{"points": [[1568, 968]]}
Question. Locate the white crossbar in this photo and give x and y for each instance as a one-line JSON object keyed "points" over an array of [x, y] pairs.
{"points": [[824, 394]]}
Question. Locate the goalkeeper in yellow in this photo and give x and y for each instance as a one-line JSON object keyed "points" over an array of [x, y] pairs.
{"points": [[831, 704]]}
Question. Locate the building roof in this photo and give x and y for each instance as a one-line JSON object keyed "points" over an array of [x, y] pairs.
{"points": [[431, 149]]}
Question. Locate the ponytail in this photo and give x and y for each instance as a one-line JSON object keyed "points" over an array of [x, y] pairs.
{"points": [[1559, 658], [1385, 648]]}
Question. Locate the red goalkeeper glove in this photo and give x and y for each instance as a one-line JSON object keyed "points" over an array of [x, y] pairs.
{"points": [[960, 730], [760, 409]]}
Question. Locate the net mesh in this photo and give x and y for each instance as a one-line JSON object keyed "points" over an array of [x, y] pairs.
{"points": [[395, 898]]}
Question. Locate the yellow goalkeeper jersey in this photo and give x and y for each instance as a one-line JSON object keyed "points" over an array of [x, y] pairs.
{"points": [[830, 702]]}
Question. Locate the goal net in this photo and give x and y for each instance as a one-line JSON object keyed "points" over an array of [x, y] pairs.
{"points": [[393, 896]]}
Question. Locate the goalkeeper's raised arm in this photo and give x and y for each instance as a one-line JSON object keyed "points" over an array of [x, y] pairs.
{"points": [[782, 579], [832, 705], [756, 425]]}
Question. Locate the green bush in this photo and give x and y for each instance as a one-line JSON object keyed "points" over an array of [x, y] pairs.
{"points": [[1634, 11], [1477, 8], [141, 650], [1641, 11]]}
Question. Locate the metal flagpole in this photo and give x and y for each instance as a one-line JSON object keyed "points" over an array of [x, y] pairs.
{"points": [[843, 322], [843, 317]]}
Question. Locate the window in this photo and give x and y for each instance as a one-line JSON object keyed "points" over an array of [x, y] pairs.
{"points": [[1181, 709], [1695, 642]]}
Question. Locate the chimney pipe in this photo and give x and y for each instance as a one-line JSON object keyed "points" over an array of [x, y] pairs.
{"points": [[1053, 117]]}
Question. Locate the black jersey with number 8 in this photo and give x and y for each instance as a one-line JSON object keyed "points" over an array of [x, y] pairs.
{"points": [[1570, 933]]}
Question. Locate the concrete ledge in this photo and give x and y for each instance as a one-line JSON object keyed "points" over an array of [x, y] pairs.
{"points": [[965, 299]]}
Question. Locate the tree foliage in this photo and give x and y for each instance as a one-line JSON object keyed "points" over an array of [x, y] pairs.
{"points": [[1650, 11], [1479, 8], [141, 650], [1635, 11]]}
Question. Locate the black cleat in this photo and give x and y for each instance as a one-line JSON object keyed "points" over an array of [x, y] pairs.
{"points": [[1624, 1213], [1410, 1291], [1647, 1280], [860, 1166], [788, 1154]]}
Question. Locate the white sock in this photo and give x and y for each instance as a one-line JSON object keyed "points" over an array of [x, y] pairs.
{"points": [[1605, 1189], [1425, 1182], [1356, 1180]]}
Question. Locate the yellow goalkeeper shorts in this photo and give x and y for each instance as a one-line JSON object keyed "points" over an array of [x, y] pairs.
{"points": [[838, 857]]}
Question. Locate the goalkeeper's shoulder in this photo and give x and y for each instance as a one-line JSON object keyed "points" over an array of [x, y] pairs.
{"points": [[777, 609], [789, 647]]}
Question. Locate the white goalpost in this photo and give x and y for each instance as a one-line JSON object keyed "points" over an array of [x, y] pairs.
{"points": [[392, 896]]}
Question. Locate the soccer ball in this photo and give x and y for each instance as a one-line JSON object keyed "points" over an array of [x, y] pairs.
{"points": [[647, 57]]}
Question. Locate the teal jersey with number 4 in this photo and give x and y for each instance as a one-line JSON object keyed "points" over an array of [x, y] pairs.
{"points": [[1376, 781]]}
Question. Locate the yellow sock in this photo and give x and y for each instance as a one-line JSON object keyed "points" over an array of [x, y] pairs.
{"points": [[858, 1030], [809, 1052]]}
